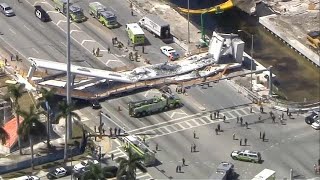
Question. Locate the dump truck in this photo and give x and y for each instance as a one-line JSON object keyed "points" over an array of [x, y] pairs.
{"points": [[313, 39], [156, 26], [76, 12], [153, 105], [105, 16]]}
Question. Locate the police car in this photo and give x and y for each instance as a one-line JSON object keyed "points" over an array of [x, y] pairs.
{"points": [[169, 52], [246, 155], [41, 14]]}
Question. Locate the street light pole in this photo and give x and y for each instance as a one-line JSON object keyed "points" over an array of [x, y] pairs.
{"points": [[188, 25], [251, 54], [68, 128]]}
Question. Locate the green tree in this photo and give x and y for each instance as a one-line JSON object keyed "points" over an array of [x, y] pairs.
{"points": [[15, 92], [31, 127], [65, 110], [4, 136], [93, 172], [128, 166], [47, 100]]}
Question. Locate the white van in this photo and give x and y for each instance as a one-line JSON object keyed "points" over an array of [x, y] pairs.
{"points": [[266, 174]]}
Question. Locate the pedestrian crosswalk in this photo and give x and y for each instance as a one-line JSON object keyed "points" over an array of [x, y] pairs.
{"points": [[189, 122], [118, 152]]}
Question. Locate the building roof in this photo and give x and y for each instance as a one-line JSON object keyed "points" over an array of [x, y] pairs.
{"points": [[11, 128]]}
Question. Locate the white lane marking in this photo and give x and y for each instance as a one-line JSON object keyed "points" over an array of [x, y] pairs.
{"points": [[54, 12], [190, 125], [113, 60], [87, 40], [28, 2], [35, 50], [75, 30], [52, 48], [13, 47], [64, 44], [176, 113], [112, 9], [60, 21], [12, 31], [45, 2], [109, 113]]}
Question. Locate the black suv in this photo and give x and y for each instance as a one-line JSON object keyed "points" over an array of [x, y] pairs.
{"points": [[41, 14], [312, 117]]}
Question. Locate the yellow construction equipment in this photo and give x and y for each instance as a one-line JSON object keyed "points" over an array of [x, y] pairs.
{"points": [[313, 39], [215, 9]]}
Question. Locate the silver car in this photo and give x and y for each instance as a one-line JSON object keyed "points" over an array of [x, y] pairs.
{"points": [[6, 9]]}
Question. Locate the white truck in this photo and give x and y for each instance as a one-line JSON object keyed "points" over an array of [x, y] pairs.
{"points": [[266, 174], [156, 26]]}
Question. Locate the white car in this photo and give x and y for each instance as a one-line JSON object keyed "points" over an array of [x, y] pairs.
{"points": [[316, 125], [6, 9], [169, 52], [83, 164], [27, 178]]}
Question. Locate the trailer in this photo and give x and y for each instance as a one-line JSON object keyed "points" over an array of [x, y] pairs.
{"points": [[103, 15], [76, 12], [153, 105], [156, 26]]}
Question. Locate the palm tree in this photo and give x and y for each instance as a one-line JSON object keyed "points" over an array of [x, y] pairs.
{"points": [[64, 111], [94, 172], [47, 99], [4, 136], [15, 92], [128, 166], [31, 127]]}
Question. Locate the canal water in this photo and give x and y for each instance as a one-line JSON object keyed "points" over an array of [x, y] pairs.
{"points": [[297, 78]]}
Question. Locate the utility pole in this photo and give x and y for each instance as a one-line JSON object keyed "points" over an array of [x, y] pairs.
{"points": [[270, 81], [188, 25], [68, 134], [251, 54]]}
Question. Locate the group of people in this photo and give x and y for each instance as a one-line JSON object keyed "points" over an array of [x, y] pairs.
{"points": [[133, 56]]}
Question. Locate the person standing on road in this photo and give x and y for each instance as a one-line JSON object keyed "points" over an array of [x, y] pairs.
{"points": [[119, 131], [238, 119], [273, 119], [245, 141], [112, 156], [211, 116], [216, 129], [287, 111], [247, 124], [250, 109], [177, 168], [115, 131], [259, 117], [263, 136], [110, 131], [194, 147], [157, 147], [215, 115], [224, 118], [240, 142], [218, 113], [194, 134], [183, 162], [191, 148], [241, 121], [233, 136]]}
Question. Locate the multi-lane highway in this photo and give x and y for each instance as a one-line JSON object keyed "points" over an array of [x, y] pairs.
{"points": [[291, 146]]}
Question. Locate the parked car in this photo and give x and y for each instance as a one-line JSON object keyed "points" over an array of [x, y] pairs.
{"points": [[169, 52], [6, 9], [246, 155], [27, 178], [57, 173], [41, 14], [316, 125], [83, 164], [312, 117]]}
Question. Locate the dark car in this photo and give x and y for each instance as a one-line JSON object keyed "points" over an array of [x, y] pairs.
{"points": [[225, 171], [312, 117], [41, 14], [95, 104]]}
